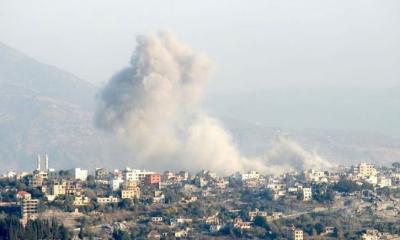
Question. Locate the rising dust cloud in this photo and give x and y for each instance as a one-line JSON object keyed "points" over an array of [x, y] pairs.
{"points": [[153, 106]]}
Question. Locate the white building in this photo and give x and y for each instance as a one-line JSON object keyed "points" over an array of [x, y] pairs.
{"points": [[10, 174], [156, 219], [307, 194], [372, 180], [135, 174], [315, 176], [105, 200], [384, 182], [78, 174], [116, 183], [276, 186], [250, 175]]}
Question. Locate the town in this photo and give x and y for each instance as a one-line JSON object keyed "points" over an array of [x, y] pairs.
{"points": [[355, 202]]}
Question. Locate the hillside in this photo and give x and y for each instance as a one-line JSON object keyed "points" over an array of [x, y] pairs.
{"points": [[43, 109]]}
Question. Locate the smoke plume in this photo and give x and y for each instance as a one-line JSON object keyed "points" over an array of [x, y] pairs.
{"points": [[153, 106], [286, 155]]}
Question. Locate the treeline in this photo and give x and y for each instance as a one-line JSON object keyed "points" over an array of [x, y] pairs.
{"points": [[12, 229], [347, 186]]}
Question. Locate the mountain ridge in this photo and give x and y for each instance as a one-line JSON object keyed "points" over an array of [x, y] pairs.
{"points": [[44, 109]]}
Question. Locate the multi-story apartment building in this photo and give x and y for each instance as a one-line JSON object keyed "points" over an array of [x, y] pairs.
{"points": [[307, 194], [101, 174], [29, 207], [78, 174], [296, 234], [154, 178], [365, 170], [58, 188], [135, 174], [130, 189], [73, 188]]}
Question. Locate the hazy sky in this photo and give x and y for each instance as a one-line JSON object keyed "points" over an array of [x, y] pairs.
{"points": [[253, 44]]}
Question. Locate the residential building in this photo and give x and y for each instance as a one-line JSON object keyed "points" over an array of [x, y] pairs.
{"points": [[151, 179], [307, 194], [239, 223], [37, 179], [135, 174], [81, 200], [250, 175], [73, 188], [101, 173], [181, 234], [183, 175], [29, 209], [58, 188], [156, 219], [297, 234], [384, 182], [78, 174], [116, 183], [130, 189], [365, 170], [53, 174], [22, 195], [105, 200], [10, 175], [315, 176]]}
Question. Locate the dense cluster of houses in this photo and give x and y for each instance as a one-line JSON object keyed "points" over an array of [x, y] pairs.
{"points": [[128, 184]]}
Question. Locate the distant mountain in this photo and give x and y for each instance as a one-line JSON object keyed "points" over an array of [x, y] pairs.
{"points": [[22, 75], [44, 109], [362, 109], [345, 126]]}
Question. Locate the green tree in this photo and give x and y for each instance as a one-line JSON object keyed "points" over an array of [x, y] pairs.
{"points": [[120, 235], [261, 222]]}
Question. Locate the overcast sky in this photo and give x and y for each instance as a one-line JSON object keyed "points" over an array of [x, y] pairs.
{"points": [[254, 44]]}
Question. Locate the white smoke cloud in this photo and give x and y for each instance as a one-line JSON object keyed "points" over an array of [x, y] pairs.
{"points": [[153, 106], [286, 155]]}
